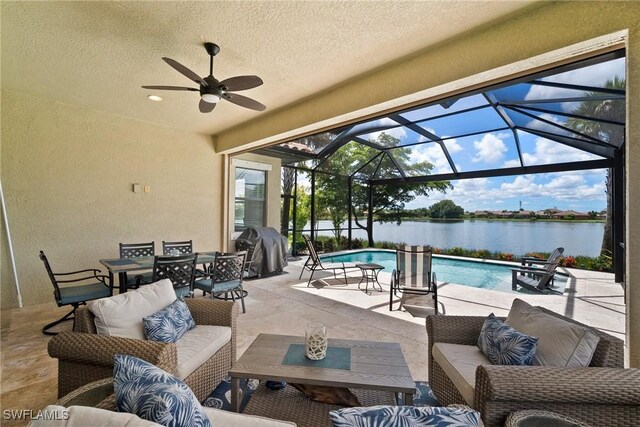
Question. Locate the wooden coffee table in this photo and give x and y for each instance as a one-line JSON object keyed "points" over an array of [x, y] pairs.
{"points": [[374, 366]]}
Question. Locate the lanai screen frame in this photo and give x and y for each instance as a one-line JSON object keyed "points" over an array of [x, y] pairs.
{"points": [[611, 153]]}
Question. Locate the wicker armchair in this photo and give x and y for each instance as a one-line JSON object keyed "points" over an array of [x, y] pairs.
{"points": [[84, 356], [603, 394]]}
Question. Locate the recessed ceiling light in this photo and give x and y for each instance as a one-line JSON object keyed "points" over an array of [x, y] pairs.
{"points": [[154, 98]]}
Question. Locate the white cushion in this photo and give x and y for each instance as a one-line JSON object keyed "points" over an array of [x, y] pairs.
{"points": [[121, 315], [459, 362], [198, 345], [560, 343], [82, 416], [219, 417]]}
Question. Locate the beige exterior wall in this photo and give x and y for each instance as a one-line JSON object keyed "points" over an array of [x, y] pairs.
{"points": [[272, 197], [67, 175], [534, 31]]}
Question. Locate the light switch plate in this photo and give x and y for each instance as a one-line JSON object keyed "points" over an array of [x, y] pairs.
{"points": [[137, 188], [147, 189]]}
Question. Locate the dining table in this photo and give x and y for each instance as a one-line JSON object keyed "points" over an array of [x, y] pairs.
{"points": [[121, 266]]}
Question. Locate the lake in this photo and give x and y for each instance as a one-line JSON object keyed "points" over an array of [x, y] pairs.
{"points": [[516, 237]]}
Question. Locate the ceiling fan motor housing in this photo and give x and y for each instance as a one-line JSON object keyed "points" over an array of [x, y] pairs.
{"points": [[212, 88]]}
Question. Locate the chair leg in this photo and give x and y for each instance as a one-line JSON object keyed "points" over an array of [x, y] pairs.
{"points": [[313, 270], [45, 329], [242, 299]]}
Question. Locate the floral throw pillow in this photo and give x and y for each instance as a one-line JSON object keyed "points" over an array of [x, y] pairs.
{"points": [[393, 416], [503, 345], [155, 395], [170, 323]]}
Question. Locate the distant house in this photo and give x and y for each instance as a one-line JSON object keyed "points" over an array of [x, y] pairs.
{"points": [[502, 214], [482, 214], [570, 214]]}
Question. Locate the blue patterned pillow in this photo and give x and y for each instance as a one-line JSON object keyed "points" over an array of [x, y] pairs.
{"points": [[170, 323], [393, 416], [503, 345], [155, 395]]}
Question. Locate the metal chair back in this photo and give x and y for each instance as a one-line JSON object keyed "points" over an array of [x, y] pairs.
{"points": [[184, 247], [312, 250], [181, 270], [135, 250], [228, 267], [52, 277]]}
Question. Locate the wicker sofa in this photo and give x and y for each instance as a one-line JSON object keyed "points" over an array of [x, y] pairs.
{"points": [[603, 394], [84, 356]]}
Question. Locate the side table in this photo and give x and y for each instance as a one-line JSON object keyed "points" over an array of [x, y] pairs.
{"points": [[95, 394], [370, 274], [541, 418]]}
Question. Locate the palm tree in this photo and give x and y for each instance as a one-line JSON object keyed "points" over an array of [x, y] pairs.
{"points": [[610, 109]]}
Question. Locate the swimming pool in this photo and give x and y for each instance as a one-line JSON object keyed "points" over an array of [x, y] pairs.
{"points": [[469, 273]]}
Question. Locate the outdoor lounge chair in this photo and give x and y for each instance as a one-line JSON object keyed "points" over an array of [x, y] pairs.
{"points": [[534, 279], [315, 263], [529, 261], [414, 276]]}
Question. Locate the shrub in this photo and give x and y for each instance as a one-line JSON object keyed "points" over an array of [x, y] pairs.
{"points": [[457, 251], [568, 261], [505, 256]]}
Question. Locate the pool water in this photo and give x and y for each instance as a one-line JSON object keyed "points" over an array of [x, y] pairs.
{"points": [[470, 273]]}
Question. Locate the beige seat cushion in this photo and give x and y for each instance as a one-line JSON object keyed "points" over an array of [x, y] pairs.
{"points": [[560, 343], [83, 416], [459, 362], [121, 315], [198, 345], [219, 417]]}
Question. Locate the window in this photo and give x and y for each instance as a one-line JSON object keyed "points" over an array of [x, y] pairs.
{"points": [[250, 191]]}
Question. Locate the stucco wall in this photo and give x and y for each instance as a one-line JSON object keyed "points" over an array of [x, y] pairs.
{"points": [[272, 197], [534, 31], [67, 175]]}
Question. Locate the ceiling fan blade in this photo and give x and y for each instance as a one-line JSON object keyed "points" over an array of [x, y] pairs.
{"points": [[170, 88], [206, 107], [184, 71], [237, 83], [243, 101]]}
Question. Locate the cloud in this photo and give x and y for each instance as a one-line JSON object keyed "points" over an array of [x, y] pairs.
{"points": [[595, 75], [433, 153], [490, 149], [398, 132], [548, 152]]}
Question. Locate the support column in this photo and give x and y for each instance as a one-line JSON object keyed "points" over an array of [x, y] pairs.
{"points": [[294, 249], [350, 204], [618, 216], [370, 214], [313, 206]]}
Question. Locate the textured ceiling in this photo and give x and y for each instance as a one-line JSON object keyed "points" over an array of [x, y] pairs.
{"points": [[98, 54]]}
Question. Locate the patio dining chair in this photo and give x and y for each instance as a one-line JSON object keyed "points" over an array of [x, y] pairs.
{"points": [[184, 247], [414, 278], [76, 295], [224, 276], [181, 270], [135, 250], [314, 263]]}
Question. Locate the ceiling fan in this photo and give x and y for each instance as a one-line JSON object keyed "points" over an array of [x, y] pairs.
{"points": [[211, 89]]}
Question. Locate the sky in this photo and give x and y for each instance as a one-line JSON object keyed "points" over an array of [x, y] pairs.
{"points": [[577, 190], [582, 191]]}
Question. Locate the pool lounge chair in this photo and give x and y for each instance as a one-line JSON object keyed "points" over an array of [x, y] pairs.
{"points": [[535, 262], [414, 276], [315, 263], [534, 279]]}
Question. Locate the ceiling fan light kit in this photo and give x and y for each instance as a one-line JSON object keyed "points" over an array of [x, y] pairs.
{"points": [[211, 89]]}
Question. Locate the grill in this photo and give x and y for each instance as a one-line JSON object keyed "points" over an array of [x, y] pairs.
{"points": [[266, 251]]}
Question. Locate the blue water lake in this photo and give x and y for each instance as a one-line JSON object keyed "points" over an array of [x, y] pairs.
{"points": [[516, 237]]}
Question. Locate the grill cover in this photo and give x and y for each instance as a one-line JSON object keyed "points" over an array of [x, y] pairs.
{"points": [[269, 253]]}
